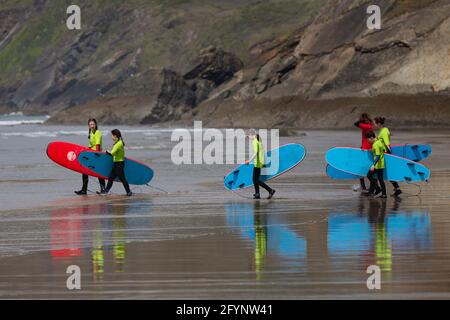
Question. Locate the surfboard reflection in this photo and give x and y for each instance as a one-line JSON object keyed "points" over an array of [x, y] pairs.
{"points": [[375, 231], [269, 234], [98, 231]]}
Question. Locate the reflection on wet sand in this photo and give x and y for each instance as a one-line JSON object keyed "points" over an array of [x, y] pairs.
{"points": [[72, 227], [376, 231], [267, 232]]}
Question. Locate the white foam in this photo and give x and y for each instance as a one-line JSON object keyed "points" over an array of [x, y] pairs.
{"points": [[20, 122]]}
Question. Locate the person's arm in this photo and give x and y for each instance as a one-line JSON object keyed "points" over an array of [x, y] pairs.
{"points": [[255, 153], [251, 159], [114, 149], [364, 125], [357, 123], [378, 157], [98, 141]]}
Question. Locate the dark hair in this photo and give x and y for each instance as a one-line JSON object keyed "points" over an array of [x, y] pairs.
{"points": [[258, 137], [370, 134], [116, 132], [380, 120], [96, 126], [366, 116]]}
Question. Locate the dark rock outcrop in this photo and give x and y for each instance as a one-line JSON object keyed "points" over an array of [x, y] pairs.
{"points": [[212, 68], [154, 96]]}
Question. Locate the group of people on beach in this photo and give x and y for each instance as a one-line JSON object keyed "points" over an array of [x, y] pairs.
{"points": [[378, 144], [118, 157]]}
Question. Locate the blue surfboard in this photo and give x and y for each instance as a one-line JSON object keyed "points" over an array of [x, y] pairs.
{"points": [[102, 164], [277, 162], [336, 174], [358, 162], [414, 152]]}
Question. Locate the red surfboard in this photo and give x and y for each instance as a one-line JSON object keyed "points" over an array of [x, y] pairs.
{"points": [[66, 154]]}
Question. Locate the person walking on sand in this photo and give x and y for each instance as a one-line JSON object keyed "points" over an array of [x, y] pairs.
{"points": [[258, 158], [118, 155], [95, 143], [384, 136], [365, 123], [377, 169]]}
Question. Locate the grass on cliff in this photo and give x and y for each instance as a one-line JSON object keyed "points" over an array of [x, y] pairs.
{"points": [[29, 44]]}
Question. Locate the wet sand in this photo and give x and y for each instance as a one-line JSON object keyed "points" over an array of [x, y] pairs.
{"points": [[315, 239]]}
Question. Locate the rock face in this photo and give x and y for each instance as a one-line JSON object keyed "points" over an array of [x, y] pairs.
{"points": [[154, 96], [322, 61], [337, 56], [213, 67], [46, 68], [159, 95]]}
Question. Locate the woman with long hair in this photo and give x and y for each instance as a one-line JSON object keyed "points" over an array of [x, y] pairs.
{"points": [[384, 135], [365, 123], [118, 157], [258, 156], [95, 143]]}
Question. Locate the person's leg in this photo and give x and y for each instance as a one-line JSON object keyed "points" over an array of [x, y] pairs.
{"points": [[380, 176], [256, 174], [363, 184], [397, 190], [121, 175], [85, 182], [373, 182], [85, 179], [265, 186], [102, 183], [111, 178]]}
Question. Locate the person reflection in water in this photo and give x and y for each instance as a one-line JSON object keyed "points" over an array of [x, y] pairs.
{"points": [[260, 240]]}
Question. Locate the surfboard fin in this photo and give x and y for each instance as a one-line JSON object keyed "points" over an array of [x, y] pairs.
{"points": [[91, 167], [97, 155], [414, 146], [408, 179], [410, 164], [85, 158], [241, 185]]}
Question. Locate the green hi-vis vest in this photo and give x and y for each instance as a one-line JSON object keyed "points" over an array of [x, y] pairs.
{"points": [[378, 149], [385, 137], [118, 151], [258, 149], [95, 139]]}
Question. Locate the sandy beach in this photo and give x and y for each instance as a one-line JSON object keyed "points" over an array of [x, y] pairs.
{"points": [[315, 239]]}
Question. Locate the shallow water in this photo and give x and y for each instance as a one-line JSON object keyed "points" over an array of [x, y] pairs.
{"points": [[314, 240]]}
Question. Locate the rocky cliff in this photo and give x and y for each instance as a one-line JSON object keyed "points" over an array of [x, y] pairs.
{"points": [[234, 63]]}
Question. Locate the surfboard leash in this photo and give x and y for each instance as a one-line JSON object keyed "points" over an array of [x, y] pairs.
{"points": [[156, 188], [240, 195], [416, 185]]}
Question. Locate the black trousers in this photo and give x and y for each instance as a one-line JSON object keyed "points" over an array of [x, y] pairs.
{"points": [[395, 185], [118, 171], [374, 183], [257, 182], [86, 181]]}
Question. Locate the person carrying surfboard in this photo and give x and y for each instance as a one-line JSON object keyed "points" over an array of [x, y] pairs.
{"points": [[258, 158], [384, 136], [377, 168], [118, 155], [95, 143], [365, 123]]}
